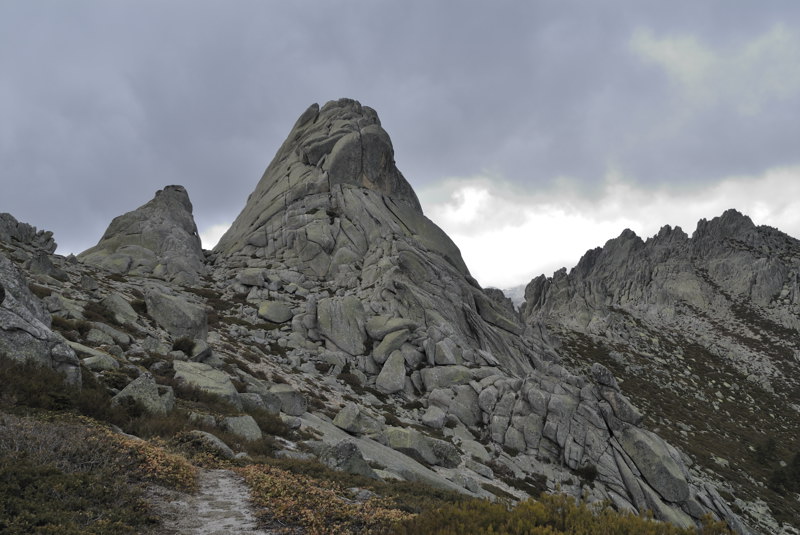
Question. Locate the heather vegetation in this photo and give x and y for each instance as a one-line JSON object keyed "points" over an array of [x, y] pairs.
{"points": [[65, 471]]}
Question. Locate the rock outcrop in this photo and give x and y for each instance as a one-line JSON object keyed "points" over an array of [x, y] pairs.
{"points": [[158, 239], [387, 291], [701, 330], [25, 333]]}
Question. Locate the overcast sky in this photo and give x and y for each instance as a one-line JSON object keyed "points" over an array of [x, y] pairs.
{"points": [[531, 130]]}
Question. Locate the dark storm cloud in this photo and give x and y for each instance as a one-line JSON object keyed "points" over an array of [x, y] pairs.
{"points": [[102, 103]]}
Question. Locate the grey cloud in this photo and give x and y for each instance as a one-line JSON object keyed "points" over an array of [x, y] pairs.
{"points": [[103, 103]]}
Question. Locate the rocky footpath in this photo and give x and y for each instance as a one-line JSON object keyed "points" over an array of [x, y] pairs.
{"points": [[335, 303], [702, 333]]}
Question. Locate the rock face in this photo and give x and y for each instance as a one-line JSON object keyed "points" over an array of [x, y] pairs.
{"points": [[159, 239], [25, 333], [700, 329], [12, 231]]}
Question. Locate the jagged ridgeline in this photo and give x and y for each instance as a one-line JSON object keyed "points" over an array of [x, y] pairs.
{"points": [[703, 330], [335, 302]]}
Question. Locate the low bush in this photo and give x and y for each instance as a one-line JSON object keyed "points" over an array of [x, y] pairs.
{"points": [[67, 474], [786, 479], [549, 515], [184, 344], [317, 506]]}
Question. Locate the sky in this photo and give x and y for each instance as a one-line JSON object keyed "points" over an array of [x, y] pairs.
{"points": [[531, 130]]}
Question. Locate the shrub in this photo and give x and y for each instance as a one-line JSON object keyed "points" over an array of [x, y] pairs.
{"points": [[66, 474], [94, 311], [786, 479], [184, 344], [549, 515], [318, 506], [40, 291]]}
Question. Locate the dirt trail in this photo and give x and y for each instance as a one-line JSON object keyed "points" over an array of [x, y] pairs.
{"points": [[220, 507]]}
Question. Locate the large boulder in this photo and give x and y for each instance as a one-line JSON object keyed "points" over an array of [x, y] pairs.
{"points": [[341, 321], [345, 456], [354, 420], [275, 311], [243, 426], [176, 315], [293, 402], [653, 459], [393, 374], [25, 333], [146, 393], [208, 379]]}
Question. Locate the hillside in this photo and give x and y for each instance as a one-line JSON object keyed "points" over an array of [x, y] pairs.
{"points": [[334, 322], [702, 334]]}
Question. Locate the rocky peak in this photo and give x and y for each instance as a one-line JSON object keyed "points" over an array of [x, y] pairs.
{"points": [[330, 194], [159, 239], [11, 229], [702, 329]]}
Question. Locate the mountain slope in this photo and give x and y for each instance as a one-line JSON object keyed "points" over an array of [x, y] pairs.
{"points": [[335, 303], [703, 334]]}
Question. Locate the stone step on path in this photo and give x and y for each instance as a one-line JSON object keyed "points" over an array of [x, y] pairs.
{"points": [[221, 506]]}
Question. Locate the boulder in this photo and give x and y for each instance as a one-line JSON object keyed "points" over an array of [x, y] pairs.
{"points": [[393, 374], [444, 376], [354, 420], [434, 417], [205, 441], [652, 457], [101, 362], [341, 323], [207, 379], [380, 326], [390, 343], [344, 456], [293, 402], [144, 391], [122, 312], [243, 426], [25, 332], [275, 311], [176, 315]]}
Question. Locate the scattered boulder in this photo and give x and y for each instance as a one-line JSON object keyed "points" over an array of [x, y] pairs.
{"points": [[145, 392], [354, 420], [293, 402], [179, 317], [243, 426], [122, 311], [275, 311], [205, 441], [345, 456], [393, 374], [652, 457], [341, 323], [208, 379]]}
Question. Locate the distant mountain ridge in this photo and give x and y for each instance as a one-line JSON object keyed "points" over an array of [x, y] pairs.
{"points": [[703, 333]]}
